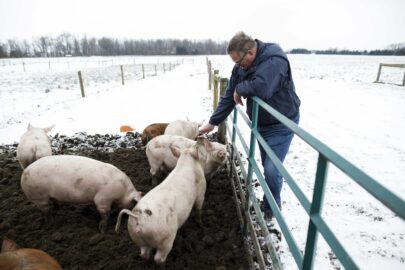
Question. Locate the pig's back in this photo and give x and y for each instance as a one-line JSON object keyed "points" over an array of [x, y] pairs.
{"points": [[72, 178]]}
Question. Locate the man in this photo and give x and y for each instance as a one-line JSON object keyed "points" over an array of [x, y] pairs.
{"points": [[262, 70]]}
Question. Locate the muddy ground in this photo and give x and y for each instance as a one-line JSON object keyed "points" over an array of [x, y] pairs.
{"points": [[72, 237]]}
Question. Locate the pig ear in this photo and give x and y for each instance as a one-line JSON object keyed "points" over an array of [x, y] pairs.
{"points": [[175, 151], [8, 245], [29, 126], [47, 129]]}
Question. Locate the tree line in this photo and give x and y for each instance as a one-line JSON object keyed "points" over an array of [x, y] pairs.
{"points": [[67, 44], [394, 49]]}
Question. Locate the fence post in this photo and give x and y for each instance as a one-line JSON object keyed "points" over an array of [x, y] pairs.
{"points": [[209, 74], [143, 72], [215, 93], [122, 74], [222, 128], [23, 66], [81, 84], [49, 64], [164, 68], [403, 81], [379, 72], [155, 70]]}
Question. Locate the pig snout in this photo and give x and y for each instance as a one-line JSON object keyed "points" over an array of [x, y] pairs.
{"points": [[221, 155]]}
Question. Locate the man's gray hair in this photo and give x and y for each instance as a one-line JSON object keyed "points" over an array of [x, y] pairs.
{"points": [[240, 43]]}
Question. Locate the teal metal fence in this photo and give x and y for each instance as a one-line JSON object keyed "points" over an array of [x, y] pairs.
{"points": [[246, 198]]}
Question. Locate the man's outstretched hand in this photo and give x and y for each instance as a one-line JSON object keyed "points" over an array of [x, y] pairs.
{"points": [[206, 128]]}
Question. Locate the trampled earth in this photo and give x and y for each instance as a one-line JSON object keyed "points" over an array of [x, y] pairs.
{"points": [[71, 233]]}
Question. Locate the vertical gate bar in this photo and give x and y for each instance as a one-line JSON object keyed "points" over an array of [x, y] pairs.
{"points": [[316, 207], [251, 155], [234, 123]]}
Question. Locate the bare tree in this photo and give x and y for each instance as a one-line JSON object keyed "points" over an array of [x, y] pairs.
{"points": [[85, 46], [41, 46]]}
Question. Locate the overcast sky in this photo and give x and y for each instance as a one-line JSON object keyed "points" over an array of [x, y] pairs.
{"points": [[311, 24]]}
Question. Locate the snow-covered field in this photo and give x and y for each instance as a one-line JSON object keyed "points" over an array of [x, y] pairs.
{"points": [[341, 106]]}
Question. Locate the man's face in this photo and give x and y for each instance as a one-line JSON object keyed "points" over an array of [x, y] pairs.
{"points": [[243, 60]]}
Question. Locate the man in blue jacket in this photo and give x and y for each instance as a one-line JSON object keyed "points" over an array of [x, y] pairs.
{"points": [[261, 70]]}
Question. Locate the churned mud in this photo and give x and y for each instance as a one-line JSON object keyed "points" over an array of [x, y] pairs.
{"points": [[70, 234]]}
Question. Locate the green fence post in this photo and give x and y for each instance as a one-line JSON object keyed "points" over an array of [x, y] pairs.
{"points": [[316, 208]]}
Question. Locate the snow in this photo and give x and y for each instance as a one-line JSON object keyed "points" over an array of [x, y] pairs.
{"points": [[361, 120]]}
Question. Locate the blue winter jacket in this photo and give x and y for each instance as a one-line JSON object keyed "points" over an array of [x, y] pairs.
{"points": [[270, 79]]}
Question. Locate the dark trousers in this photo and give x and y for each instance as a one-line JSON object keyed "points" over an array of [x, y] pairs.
{"points": [[279, 138]]}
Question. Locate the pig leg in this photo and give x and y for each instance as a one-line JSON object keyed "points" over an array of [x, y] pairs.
{"points": [[42, 204], [198, 206], [145, 252], [155, 180], [164, 249], [103, 206], [154, 170]]}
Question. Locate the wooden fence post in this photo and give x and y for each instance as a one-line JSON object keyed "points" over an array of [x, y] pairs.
{"points": [[23, 66], [81, 84], [122, 74], [403, 81], [143, 72], [49, 64], [222, 128], [209, 75], [164, 68], [379, 72], [215, 93], [155, 70]]}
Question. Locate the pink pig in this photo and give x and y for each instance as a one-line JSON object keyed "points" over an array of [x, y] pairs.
{"points": [[76, 179]]}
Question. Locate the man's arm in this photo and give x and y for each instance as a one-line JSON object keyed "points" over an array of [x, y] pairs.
{"points": [[226, 102]]}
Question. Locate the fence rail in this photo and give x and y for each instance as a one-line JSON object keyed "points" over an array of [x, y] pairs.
{"points": [[245, 197]]}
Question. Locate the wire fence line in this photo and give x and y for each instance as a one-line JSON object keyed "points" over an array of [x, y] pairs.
{"points": [[40, 89]]}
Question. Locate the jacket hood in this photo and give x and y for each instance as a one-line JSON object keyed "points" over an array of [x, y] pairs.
{"points": [[268, 50]]}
